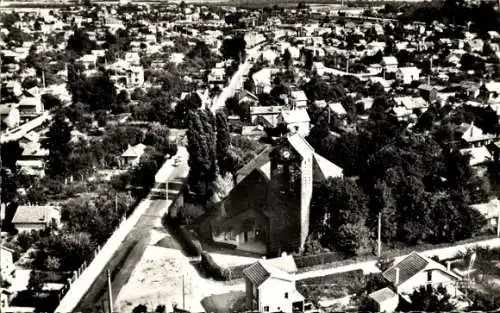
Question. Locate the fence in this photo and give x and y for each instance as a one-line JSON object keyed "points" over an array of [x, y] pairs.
{"points": [[86, 274]]}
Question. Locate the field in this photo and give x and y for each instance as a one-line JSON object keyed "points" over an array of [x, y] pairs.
{"points": [[158, 279]]}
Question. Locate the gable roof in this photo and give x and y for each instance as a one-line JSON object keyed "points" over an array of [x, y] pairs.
{"points": [[300, 144], [382, 295], [295, 116], [298, 95], [134, 151], [408, 267], [324, 169], [259, 163], [389, 60], [337, 107], [33, 214], [478, 155], [260, 271]]}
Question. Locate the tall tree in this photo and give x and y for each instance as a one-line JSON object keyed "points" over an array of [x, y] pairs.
{"points": [[57, 142], [223, 142], [287, 58]]}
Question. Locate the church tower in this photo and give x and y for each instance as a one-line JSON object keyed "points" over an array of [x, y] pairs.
{"points": [[290, 192]]}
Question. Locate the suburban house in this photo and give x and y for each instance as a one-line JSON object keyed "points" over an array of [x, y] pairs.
{"points": [[473, 136], [267, 115], [132, 155], [132, 58], [217, 76], [35, 217], [30, 107], [390, 64], [414, 271], [270, 286], [32, 160], [298, 99], [491, 212], [337, 108], [407, 75], [267, 211], [127, 75], [296, 121], [427, 92]]}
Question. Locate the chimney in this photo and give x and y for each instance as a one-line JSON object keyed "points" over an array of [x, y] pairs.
{"points": [[396, 280], [448, 266]]}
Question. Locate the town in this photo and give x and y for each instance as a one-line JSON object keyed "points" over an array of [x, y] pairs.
{"points": [[260, 157]]}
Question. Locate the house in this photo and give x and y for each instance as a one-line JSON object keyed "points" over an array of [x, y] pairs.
{"points": [[400, 112], [473, 136], [132, 155], [89, 61], [267, 211], [34, 217], [407, 75], [478, 155], [9, 115], [390, 64], [412, 103], [265, 115], [6, 261], [216, 76], [296, 121], [133, 58], [30, 106], [337, 108], [491, 212], [427, 92], [298, 99], [248, 97], [491, 91], [386, 84], [253, 132], [417, 270], [270, 286]]}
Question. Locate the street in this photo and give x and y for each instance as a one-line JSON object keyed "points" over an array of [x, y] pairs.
{"points": [[132, 248]]}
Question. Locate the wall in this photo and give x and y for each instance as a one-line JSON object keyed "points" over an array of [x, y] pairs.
{"points": [[80, 286]]}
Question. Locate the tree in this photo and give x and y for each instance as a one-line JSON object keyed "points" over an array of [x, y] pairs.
{"points": [[249, 85], [10, 153], [57, 142], [72, 249], [80, 43], [287, 59], [430, 299], [308, 59], [233, 48], [36, 281], [223, 142]]}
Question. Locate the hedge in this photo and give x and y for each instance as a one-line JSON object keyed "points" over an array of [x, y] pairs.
{"points": [[218, 272], [188, 243], [303, 261]]}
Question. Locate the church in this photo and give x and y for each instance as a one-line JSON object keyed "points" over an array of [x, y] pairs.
{"points": [[267, 212]]}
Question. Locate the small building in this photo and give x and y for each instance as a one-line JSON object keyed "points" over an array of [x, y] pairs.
{"points": [[337, 108], [34, 217], [9, 115], [298, 99], [216, 76], [30, 106], [428, 92], [491, 212], [267, 115], [390, 64], [407, 75], [478, 155], [473, 136], [385, 300], [88, 61], [269, 287], [297, 121], [132, 155]]}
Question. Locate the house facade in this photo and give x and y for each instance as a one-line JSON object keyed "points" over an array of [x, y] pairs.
{"points": [[34, 217], [132, 155], [407, 75]]}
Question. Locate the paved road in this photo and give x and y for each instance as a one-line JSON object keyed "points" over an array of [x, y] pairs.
{"points": [[237, 79], [132, 248], [370, 266]]}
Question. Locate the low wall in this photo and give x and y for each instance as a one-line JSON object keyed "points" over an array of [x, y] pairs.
{"points": [[81, 285]]}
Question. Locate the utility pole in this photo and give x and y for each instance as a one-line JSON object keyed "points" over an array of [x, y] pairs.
{"points": [[183, 294], [43, 79], [110, 292], [379, 235], [166, 190]]}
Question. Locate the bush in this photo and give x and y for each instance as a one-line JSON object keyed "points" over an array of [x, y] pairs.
{"points": [[212, 269], [304, 261]]}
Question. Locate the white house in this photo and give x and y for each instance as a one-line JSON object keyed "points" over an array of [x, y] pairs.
{"points": [[491, 212], [216, 76], [270, 286], [417, 270], [385, 299], [296, 121], [34, 217], [132, 155], [390, 64], [88, 61], [406, 75], [298, 99]]}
